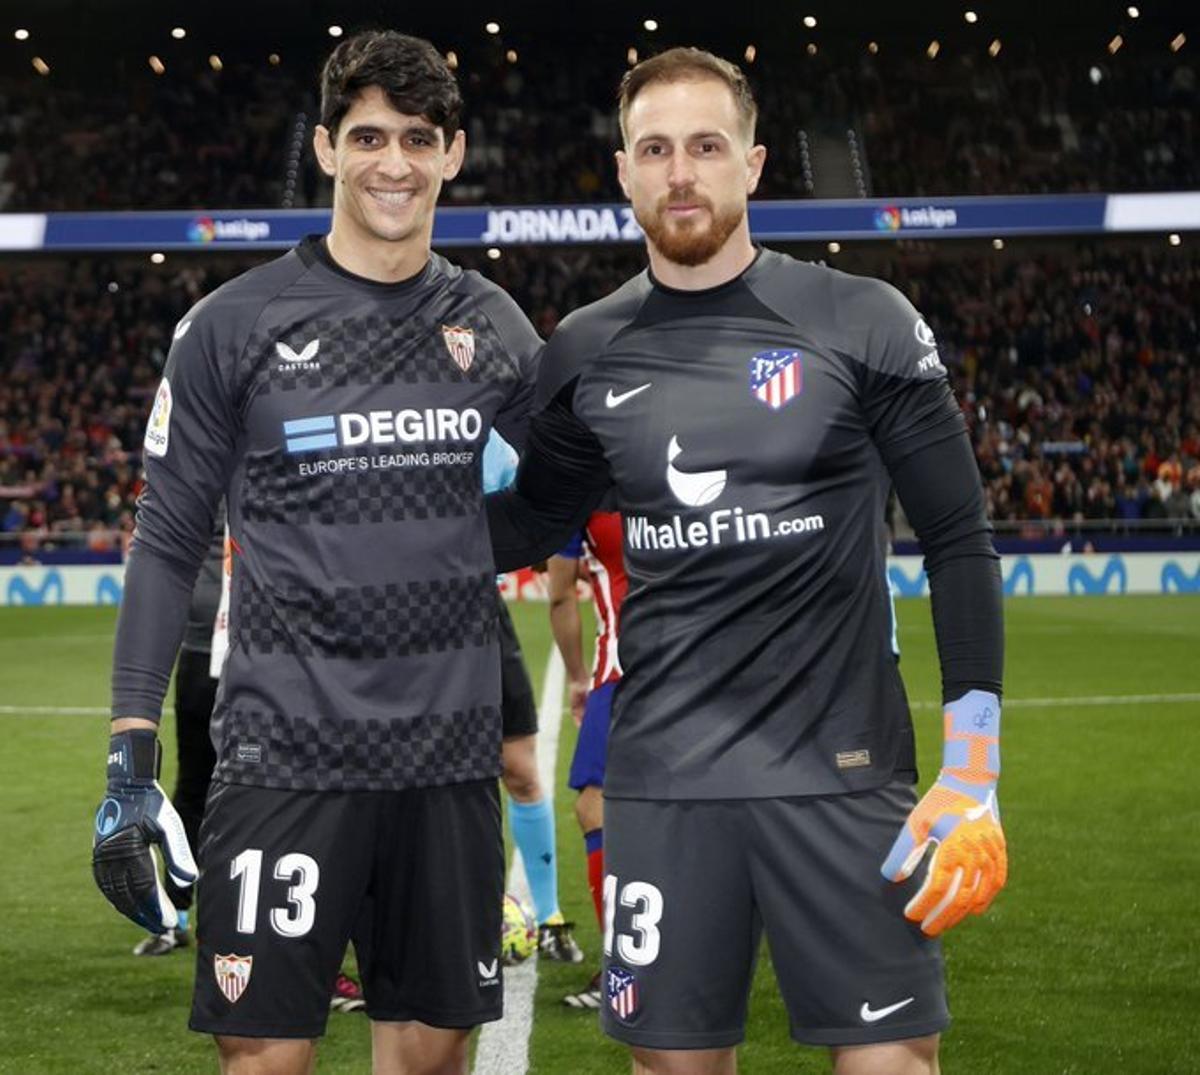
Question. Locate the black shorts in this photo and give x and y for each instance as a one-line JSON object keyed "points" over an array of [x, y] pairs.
{"points": [[691, 886], [415, 878], [517, 706]]}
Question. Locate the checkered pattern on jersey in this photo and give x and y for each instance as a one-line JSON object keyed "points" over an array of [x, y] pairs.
{"points": [[373, 350], [395, 619], [326, 752], [274, 491]]}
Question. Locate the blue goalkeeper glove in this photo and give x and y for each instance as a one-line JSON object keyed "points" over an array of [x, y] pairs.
{"points": [[134, 815], [960, 815]]}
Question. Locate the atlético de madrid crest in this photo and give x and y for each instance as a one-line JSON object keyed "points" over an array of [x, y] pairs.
{"points": [[776, 377], [460, 342], [233, 975]]}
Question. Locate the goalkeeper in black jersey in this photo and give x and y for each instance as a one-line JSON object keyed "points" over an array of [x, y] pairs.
{"points": [[339, 398], [750, 412]]}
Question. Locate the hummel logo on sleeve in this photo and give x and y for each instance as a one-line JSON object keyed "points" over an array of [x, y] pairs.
{"points": [[308, 353], [873, 1015], [614, 399]]}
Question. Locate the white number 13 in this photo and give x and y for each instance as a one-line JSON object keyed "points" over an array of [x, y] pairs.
{"points": [[297, 918], [641, 947]]}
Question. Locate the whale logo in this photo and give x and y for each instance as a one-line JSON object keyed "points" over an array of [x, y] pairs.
{"points": [[692, 488]]}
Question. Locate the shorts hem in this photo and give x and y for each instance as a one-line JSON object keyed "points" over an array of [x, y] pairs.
{"points": [[871, 1035], [257, 1030], [441, 1020], [666, 1039]]}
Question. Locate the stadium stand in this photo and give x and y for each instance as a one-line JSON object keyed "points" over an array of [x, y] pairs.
{"points": [[1075, 362]]}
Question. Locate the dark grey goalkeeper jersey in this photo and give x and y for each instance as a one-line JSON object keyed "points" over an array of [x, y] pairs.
{"points": [[751, 432], [344, 421]]}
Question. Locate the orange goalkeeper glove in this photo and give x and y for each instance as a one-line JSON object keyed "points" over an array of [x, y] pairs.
{"points": [[960, 815]]}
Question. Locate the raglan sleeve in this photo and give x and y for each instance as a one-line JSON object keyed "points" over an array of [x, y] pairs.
{"points": [[922, 438], [524, 347], [563, 473], [189, 453]]}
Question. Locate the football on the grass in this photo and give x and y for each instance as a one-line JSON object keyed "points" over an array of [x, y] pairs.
{"points": [[518, 932]]}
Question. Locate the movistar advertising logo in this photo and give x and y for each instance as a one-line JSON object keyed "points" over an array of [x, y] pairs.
{"points": [[407, 426]]}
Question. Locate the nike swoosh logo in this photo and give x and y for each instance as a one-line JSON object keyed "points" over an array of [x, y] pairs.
{"points": [[181, 329], [615, 400], [486, 971], [873, 1015]]}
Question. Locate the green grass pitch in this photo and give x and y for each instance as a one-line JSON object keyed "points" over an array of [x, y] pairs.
{"points": [[1088, 963]]}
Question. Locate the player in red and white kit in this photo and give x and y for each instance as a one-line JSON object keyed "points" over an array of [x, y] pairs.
{"points": [[596, 550]]}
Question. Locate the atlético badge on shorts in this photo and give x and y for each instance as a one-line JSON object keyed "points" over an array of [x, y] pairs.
{"points": [[460, 342], [233, 975], [776, 377], [620, 987]]}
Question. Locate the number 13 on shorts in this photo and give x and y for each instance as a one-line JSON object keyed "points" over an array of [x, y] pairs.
{"points": [[294, 920], [640, 945]]}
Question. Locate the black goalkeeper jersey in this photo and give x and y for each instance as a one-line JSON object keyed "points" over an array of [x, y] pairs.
{"points": [[751, 433], [344, 421]]}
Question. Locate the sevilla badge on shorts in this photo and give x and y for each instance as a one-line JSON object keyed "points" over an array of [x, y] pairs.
{"points": [[460, 342], [233, 975]]}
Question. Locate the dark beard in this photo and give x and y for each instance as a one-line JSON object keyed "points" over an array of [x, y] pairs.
{"points": [[689, 246]]}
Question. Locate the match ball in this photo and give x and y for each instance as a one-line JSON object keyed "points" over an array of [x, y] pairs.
{"points": [[518, 932]]}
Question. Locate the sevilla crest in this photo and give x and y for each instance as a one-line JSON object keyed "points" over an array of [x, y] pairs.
{"points": [[233, 975], [460, 342]]}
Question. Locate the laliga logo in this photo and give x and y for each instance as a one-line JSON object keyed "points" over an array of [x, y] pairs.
{"points": [[887, 219], [202, 230], [693, 489]]}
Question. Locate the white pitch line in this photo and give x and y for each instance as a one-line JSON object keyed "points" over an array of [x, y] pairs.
{"points": [[548, 746], [504, 1045]]}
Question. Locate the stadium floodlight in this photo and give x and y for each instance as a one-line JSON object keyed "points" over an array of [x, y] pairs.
{"points": [[179, 33], [631, 56], [1095, 74], [810, 21], [1115, 44], [157, 66], [750, 53], [835, 247], [934, 48], [274, 59], [997, 244], [214, 61], [452, 60], [1174, 238], [493, 253], [873, 47], [1177, 42], [1132, 12], [21, 34], [511, 55], [157, 258], [651, 24], [336, 31], [971, 17], [994, 48], [492, 27], [41, 66]]}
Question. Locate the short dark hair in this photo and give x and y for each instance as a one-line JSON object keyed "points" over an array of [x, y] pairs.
{"points": [[410, 71], [684, 65]]}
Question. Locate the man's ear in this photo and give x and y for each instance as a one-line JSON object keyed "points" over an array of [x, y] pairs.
{"points": [[323, 147], [623, 170]]}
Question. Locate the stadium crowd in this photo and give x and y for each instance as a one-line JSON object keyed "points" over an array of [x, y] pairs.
{"points": [[1075, 367], [540, 130]]}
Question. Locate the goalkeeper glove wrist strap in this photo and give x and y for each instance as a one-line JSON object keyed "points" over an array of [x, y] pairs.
{"points": [[134, 756], [971, 749]]}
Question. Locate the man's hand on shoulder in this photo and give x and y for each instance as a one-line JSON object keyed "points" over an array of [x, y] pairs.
{"points": [[961, 816], [134, 815]]}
